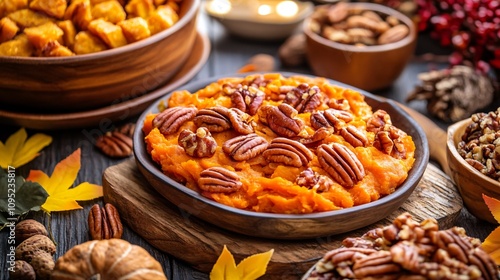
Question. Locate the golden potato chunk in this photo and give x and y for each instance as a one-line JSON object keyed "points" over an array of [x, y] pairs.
{"points": [[53, 8], [163, 18], [40, 36], [79, 11], [135, 29], [86, 42], [111, 34], [140, 8], [8, 29], [110, 11], [9, 6], [27, 18], [19, 46], [69, 30], [53, 48]]}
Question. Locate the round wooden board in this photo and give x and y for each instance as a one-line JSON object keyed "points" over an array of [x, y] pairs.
{"points": [[199, 243]]}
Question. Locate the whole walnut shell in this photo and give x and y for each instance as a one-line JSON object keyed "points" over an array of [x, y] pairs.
{"points": [[107, 259], [33, 246], [43, 264], [22, 271], [27, 228]]}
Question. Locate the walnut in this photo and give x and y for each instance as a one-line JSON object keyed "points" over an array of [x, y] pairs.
{"points": [[219, 179], [32, 246], [22, 270], [354, 136], [378, 120], [312, 180], [246, 98], [200, 144], [390, 141], [288, 152], [304, 98], [341, 164], [28, 228], [171, 119], [241, 121], [281, 119], [245, 147], [215, 119]]}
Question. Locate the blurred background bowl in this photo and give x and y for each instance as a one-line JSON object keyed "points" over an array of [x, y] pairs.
{"points": [[65, 84], [368, 67], [471, 183], [266, 20]]}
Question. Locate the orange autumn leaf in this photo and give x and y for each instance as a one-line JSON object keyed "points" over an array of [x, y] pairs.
{"points": [[492, 243], [19, 149], [62, 196]]}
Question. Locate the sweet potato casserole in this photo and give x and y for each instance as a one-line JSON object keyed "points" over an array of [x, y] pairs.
{"points": [[270, 143]]}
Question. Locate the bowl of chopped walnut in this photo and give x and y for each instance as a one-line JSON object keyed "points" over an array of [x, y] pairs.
{"points": [[365, 45], [473, 153], [280, 155], [62, 56]]}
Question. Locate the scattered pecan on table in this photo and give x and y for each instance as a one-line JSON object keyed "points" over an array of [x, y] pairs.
{"points": [[104, 222], [117, 143]]}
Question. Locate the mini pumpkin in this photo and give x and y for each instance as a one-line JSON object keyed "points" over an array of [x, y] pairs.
{"points": [[107, 259]]}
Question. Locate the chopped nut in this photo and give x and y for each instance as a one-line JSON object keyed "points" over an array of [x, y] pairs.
{"points": [[304, 98], [312, 180], [246, 98], [200, 144]]}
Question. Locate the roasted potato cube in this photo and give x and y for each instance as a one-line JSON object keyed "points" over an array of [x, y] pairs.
{"points": [[86, 42], [140, 8], [135, 29], [8, 29], [111, 34], [53, 48], [79, 11], [161, 19], [110, 11], [39, 36], [27, 18], [9, 6], [19, 46], [53, 8], [69, 30]]}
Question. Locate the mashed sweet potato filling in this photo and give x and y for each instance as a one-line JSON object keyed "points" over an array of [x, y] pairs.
{"points": [[272, 187]]}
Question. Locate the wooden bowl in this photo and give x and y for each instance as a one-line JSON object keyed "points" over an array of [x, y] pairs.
{"points": [[99, 79], [368, 67], [285, 226], [471, 183]]}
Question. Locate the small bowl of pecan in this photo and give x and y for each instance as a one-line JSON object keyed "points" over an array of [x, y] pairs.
{"points": [[365, 45], [473, 153]]}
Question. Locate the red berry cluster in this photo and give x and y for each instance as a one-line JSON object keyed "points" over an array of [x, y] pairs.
{"points": [[471, 27]]}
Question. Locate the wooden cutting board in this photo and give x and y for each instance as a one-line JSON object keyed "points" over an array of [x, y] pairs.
{"points": [[199, 243]]}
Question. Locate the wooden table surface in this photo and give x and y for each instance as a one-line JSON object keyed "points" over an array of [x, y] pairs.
{"points": [[227, 55]]}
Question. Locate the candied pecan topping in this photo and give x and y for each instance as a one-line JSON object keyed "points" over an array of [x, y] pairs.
{"points": [[330, 118], [215, 119], [389, 140], [378, 121], [200, 144], [314, 140], [312, 180], [171, 119], [241, 121], [341, 164], [247, 98], [219, 180], [281, 119], [288, 152], [354, 136], [339, 104], [304, 98], [245, 147]]}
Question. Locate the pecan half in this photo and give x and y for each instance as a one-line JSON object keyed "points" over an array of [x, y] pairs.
{"points": [[304, 98], [281, 119], [171, 119], [341, 164], [246, 98], [314, 140], [241, 121], [376, 265], [312, 180], [200, 144], [330, 118], [215, 119], [288, 152], [115, 144], [354, 136], [219, 180], [245, 147], [104, 222], [339, 104]]}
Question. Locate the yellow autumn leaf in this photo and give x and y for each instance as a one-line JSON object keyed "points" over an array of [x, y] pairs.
{"points": [[250, 268], [491, 244], [19, 149], [225, 267], [254, 266], [61, 196]]}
